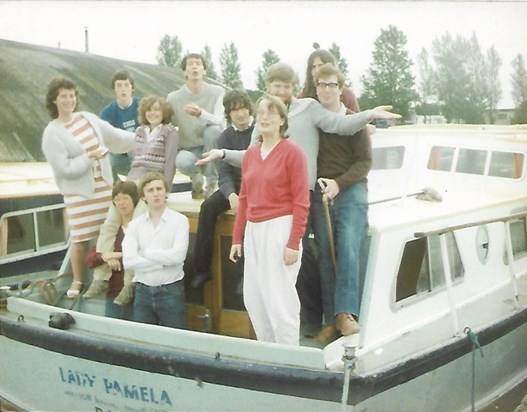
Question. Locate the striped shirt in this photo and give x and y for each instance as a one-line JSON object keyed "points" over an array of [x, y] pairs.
{"points": [[86, 214]]}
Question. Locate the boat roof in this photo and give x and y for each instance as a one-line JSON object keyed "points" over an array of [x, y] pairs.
{"points": [[26, 179], [456, 207]]}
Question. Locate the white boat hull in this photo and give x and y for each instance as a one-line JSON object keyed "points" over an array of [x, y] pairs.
{"points": [[93, 369]]}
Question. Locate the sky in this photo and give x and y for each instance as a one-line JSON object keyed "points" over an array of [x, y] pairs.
{"points": [[132, 30]]}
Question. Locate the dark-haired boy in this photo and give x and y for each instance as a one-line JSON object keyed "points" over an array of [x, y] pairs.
{"points": [[199, 116], [238, 110], [122, 113]]}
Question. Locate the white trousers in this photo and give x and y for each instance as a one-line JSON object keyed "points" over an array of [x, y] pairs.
{"points": [[269, 290]]}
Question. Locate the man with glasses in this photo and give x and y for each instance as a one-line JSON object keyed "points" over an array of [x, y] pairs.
{"points": [[342, 168]]}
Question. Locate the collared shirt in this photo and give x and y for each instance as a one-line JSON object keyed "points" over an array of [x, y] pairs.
{"points": [[156, 253], [152, 134]]}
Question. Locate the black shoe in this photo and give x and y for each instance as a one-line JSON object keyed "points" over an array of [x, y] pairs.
{"points": [[199, 280]]}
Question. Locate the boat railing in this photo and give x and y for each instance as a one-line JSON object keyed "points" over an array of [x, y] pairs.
{"points": [[32, 232]]}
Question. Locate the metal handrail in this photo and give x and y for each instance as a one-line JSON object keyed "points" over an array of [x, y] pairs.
{"points": [[447, 229]]}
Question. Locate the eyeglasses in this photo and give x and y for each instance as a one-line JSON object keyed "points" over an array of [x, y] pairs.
{"points": [[324, 85]]}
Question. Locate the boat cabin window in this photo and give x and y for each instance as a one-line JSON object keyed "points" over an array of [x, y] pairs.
{"points": [[518, 230], [441, 158], [421, 269], [471, 161], [385, 158], [32, 231]]}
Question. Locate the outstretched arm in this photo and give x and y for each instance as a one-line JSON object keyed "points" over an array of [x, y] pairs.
{"points": [[382, 113]]}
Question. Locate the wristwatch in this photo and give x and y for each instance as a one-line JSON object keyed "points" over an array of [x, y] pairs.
{"points": [[223, 154]]}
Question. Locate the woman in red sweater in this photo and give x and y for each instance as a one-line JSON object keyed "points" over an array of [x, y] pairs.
{"points": [[271, 219]]}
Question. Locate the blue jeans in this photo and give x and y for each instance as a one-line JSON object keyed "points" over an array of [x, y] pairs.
{"points": [[187, 157], [349, 217], [121, 163], [160, 305], [112, 310]]}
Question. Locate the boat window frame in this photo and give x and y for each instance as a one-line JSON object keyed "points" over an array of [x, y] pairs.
{"points": [[488, 165], [398, 162], [431, 259], [37, 247]]}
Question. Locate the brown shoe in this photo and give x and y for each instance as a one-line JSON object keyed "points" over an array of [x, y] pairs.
{"points": [[346, 324], [327, 335]]}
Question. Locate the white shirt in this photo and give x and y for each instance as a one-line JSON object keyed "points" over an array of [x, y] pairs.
{"points": [[156, 254]]}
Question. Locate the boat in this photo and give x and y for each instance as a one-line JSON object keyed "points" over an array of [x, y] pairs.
{"points": [[443, 311]]}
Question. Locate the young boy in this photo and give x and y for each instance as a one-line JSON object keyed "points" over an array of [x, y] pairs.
{"points": [[199, 116], [155, 248], [122, 113], [238, 110]]}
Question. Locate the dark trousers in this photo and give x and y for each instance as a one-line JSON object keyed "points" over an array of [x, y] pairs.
{"points": [[211, 208]]}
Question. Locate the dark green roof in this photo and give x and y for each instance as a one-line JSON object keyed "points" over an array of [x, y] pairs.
{"points": [[26, 70]]}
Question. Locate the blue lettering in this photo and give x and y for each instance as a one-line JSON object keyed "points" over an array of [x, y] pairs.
{"points": [[138, 393], [144, 394], [131, 392], [165, 399], [77, 378]]}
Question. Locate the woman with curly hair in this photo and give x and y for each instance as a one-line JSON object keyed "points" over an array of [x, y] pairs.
{"points": [[76, 145]]}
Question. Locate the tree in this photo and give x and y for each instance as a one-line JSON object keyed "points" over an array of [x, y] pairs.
{"points": [[169, 51], [230, 66], [491, 71], [207, 55], [519, 81], [342, 63], [389, 79], [427, 105], [465, 80], [269, 58]]}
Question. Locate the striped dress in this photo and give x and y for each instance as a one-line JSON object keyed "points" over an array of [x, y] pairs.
{"points": [[86, 215]]}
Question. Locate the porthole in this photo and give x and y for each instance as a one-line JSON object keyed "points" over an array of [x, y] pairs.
{"points": [[482, 243]]}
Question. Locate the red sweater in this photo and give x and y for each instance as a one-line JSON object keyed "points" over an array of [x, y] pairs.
{"points": [[273, 187]]}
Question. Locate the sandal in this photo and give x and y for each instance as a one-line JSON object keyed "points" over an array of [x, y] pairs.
{"points": [[73, 293]]}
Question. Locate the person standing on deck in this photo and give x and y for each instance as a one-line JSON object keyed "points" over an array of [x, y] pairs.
{"points": [[76, 145], [271, 219], [342, 170], [122, 113], [199, 116], [309, 284], [155, 248]]}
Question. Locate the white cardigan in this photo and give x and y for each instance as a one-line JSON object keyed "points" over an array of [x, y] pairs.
{"points": [[71, 165]]}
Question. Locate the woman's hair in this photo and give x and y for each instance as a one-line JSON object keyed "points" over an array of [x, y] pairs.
{"points": [[53, 91], [128, 187], [281, 72], [236, 99], [123, 75], [329, 69], [279, 106], [146, 104], [149, 178], [310, 89]]}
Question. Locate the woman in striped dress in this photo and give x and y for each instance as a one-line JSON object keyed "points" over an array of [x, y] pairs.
{"points": [[76, 145]]}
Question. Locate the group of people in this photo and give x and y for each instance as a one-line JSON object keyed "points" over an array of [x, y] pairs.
{"points": [[281, 174]]}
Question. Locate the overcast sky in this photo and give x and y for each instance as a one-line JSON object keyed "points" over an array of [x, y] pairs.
{"points": [[131, 30]]}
